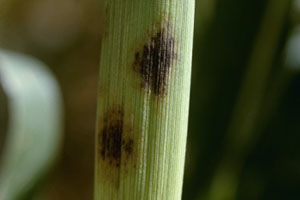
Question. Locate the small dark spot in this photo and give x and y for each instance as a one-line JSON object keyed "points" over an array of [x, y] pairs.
{"points": [[154, 60], [114, 139], [128, 147]]}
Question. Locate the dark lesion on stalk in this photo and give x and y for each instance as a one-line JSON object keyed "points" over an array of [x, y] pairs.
{"points": [[115, 139], [154, 61]]}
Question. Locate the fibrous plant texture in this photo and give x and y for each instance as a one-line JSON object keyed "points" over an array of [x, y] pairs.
{"points": [[143, 99]]}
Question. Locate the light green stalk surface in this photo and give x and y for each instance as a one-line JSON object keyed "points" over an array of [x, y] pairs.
{"points": [[34, 131], [143, 99]]}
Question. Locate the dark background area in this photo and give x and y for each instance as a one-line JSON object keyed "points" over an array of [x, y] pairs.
{"points": [[231, 37]]}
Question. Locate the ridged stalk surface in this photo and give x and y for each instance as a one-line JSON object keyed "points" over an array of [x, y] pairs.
{"points": [[143, 99]]}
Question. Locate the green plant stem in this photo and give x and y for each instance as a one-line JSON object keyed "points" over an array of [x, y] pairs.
{"points": [[143, 99]]}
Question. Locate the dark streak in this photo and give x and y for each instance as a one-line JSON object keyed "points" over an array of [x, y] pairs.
{"points": [[105, 19], [4, 118], [114, 141], [154, 61]]}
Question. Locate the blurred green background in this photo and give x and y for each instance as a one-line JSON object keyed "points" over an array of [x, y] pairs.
{"points": [[243, 140]]}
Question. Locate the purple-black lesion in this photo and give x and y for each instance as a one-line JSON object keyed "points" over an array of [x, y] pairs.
{"points": [[115, 139], [154, 60]]}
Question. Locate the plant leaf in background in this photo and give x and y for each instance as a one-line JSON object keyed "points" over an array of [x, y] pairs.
{"points": [[34, 130]]}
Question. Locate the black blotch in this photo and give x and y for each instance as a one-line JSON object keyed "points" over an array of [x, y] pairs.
{"points": [[154, 61], [113, 139]]}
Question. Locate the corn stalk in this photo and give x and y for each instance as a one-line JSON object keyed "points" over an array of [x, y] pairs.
{"points": [[143, 99]]}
